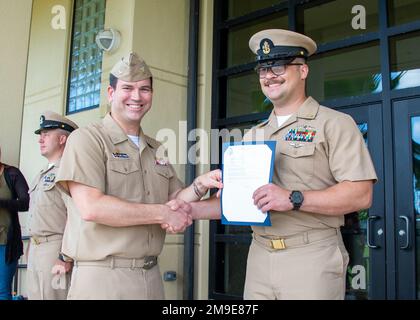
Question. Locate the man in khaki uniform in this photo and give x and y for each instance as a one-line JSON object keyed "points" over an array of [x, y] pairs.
{"points": [[323, 171], [48, 274], [122, 188]]}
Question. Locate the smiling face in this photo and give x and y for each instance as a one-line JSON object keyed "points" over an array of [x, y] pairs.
{"points": [[130, 101], [288, 87]]}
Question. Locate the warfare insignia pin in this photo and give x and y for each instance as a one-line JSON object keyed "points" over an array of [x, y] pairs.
{"points": [[49, 178], [119, 155]]}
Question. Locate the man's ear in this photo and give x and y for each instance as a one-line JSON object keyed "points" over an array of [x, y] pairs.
{"points": [[110, 93], [304, 71], [63, 139]]}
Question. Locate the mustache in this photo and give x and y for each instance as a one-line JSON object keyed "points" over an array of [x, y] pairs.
{"points": [[268, 82]]}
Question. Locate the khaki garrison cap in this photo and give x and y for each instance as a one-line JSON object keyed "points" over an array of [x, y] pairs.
{"points": [[131, 68], [279, 44], [50, 120]]}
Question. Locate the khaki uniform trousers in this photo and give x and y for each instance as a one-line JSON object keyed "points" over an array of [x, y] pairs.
{"points": [[42, 280], [309, 269], [115, 279]]}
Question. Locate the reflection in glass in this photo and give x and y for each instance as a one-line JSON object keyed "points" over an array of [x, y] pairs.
{"points": [[345, 73], [231, 261], [331, 21], [244, 95], [238, 37], [354, 237], [405, 61], [403, 11], [415, 136], [237, 8]]}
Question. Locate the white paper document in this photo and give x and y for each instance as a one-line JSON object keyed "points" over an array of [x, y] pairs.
{"points": [[246, 167]]}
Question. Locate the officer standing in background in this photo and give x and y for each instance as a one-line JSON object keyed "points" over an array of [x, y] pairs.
{"points": [[48, 274], [122, 188], [323, 171]]}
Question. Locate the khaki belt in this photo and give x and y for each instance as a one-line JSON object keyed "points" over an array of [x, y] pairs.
{"points": [[38, 240], [115, 262], [300, 239]]}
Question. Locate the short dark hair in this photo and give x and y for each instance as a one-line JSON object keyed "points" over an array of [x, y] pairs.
{"points": [[113, 81]]}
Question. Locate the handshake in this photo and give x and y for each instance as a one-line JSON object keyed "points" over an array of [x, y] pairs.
{"points": [[178, 213], [178, 216]]}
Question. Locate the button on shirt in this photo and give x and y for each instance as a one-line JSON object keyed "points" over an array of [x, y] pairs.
{"points": [[317, 147], [47, 209], [103, 157]]}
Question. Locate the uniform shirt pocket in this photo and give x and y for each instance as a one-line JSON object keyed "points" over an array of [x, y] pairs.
{"points": [[122, 174], [163, 171], [296, 164], [162, 176], [47, 195]]}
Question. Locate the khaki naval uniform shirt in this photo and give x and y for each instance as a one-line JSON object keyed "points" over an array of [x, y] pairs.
{"points": [[336, 153], [102, 156], [47, 208]]}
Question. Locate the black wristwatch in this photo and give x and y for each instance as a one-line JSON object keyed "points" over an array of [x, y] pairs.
{"points": [[296, 198]]}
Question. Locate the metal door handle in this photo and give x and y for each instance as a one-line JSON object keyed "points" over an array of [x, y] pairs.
{"points": [[406, 232], [368, 240]]}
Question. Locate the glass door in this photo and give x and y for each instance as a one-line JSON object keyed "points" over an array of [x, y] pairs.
{"points": [[407, 197], [364, 231]]}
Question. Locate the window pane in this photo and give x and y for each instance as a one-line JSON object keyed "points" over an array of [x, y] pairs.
{"points": [[344, 73], [354, 234], [405, 61], [403, 11], [238, 37], [231, 264], [415, 136], [244, 95], [85, 57], [332, 21], [238, 8]]}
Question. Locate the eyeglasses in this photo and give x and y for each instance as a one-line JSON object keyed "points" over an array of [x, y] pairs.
{"points": [[277, 70]]}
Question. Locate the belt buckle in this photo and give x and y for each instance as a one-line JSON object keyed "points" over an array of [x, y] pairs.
{"points": [[35, 240], [149, 263], [278, 244]]}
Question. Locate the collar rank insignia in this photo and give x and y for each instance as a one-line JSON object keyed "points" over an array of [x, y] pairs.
{"points": [[119, 155], [304, 134], [162, 162]]}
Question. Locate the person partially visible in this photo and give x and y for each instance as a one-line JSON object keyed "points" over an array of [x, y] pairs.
{"points": [[48, 274], [14, 197]]}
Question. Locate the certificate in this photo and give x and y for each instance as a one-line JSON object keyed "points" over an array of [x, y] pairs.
{"points": [[246, 166]]}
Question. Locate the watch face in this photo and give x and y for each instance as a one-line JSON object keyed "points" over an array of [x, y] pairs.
{"points": [[297, 197]]}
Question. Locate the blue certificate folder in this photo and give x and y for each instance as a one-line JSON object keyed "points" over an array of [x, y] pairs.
{"points": [[272, 146]]}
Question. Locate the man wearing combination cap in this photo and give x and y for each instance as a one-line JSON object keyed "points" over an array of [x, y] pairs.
{"points": [[323, 171], [48, 274], [124, 192]]}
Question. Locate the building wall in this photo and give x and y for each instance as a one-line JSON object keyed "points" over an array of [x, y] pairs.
{"points": [[16, 15], [158, 31]]}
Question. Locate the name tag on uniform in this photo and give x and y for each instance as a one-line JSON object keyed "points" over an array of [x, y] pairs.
{"points": [[119, 155], [305, 134]]}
